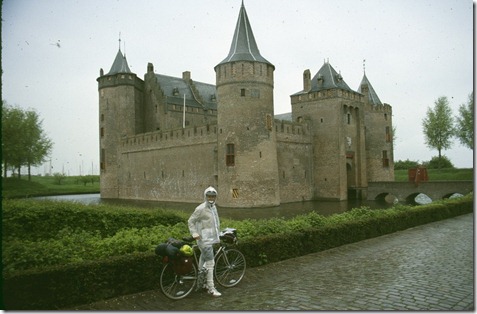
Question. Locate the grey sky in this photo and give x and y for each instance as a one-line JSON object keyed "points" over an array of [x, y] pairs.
{"points": [[415, 52]]}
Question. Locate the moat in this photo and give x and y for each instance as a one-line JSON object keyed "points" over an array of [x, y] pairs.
{"points": [[325, 208]]}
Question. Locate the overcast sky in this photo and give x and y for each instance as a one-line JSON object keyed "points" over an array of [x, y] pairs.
{"points": [[415, 52]]}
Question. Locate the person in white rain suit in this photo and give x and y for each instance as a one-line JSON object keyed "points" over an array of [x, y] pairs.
{"points": [[204, 226]]}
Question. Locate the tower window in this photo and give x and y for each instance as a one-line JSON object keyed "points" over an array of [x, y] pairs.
{"points": [[269, 122], [242, 92], [388, 134], [349, 118], [385, 159], [230, 155], [102, 158]]}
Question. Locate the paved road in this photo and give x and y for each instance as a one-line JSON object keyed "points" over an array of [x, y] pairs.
{"points": [[429, 267]]}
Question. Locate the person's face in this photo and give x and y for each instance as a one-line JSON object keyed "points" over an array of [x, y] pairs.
{"points": [[211, 198]]}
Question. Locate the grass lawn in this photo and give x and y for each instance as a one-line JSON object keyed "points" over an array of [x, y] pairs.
{"points": [[48, 185], [439, 174]]}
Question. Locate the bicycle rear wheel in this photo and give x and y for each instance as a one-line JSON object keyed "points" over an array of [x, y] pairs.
{"points": [[176, 286], [229, 267]]}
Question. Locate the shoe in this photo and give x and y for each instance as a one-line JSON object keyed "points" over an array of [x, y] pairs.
{"points": [[213, 292]]}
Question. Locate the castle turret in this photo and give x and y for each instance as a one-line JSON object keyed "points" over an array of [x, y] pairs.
{"points": [[120, 114], [246, 146], [379, 137]]}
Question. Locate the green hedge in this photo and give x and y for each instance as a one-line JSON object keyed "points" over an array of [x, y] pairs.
{"points": [[34, 220], [83, 283], [64, 286]]}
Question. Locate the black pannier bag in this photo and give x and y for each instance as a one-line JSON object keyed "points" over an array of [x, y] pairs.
{"points": [[167, 249]]}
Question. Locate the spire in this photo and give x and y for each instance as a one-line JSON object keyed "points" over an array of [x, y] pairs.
{"points": [[120, 64], [372, 96], [244, 47]]}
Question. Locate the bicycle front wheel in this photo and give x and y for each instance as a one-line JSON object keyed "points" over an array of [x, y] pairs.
{"points": [[175, 286], [229, 267]]}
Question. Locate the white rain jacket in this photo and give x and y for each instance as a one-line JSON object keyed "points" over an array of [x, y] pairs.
{"points": [[204, 222]]}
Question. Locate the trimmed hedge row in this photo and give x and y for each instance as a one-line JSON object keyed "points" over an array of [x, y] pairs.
{"points": [[280, 247], [69, 285], [42, 220], [82, 283]]}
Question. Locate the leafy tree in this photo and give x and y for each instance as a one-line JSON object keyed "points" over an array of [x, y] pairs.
{"points": [[439, 125], [11, 129], [59, 177], [24, 142], [465, 123], [439, 162]]}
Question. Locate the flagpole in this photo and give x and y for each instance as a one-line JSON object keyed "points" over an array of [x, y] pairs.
{"points": [[183, 114]]}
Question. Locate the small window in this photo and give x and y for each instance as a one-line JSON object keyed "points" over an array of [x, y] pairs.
{"points": [[242, 92], [230, 155], [388, 134], [349, 118], [269, 122], [385, 159], [102, 159]]}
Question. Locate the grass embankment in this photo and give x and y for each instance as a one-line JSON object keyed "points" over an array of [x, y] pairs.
{"points": [[439, 174], [58, 254], [49, 185]]}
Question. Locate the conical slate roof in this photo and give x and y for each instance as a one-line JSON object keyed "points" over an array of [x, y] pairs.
{"points": [[120, 64], [244, 47], [326, 78], [373, 97]]}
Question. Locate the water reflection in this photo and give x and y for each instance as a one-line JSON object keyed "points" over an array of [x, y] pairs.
{"points": [[325, 208]]}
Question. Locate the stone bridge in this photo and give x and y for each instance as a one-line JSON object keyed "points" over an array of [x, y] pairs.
{"points": [[407, 191]]}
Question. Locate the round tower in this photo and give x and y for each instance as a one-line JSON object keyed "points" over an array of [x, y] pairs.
{"points": [[120, 98], [246, 145]]}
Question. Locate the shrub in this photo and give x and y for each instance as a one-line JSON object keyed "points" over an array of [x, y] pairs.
{"points": [[405, 164], [35, 220], [436, 163]]}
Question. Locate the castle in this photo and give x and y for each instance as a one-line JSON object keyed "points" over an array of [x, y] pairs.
{"points": [[167, 138]]}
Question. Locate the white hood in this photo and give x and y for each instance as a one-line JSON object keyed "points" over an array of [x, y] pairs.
{"points": [[207, 190]]}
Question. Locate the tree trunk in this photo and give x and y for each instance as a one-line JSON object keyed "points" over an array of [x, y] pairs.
{"points": [[440, 160], [29, 172]]}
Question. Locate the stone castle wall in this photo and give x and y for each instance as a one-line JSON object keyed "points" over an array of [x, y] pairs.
{"points": [[176, 165], [169, 166]]}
